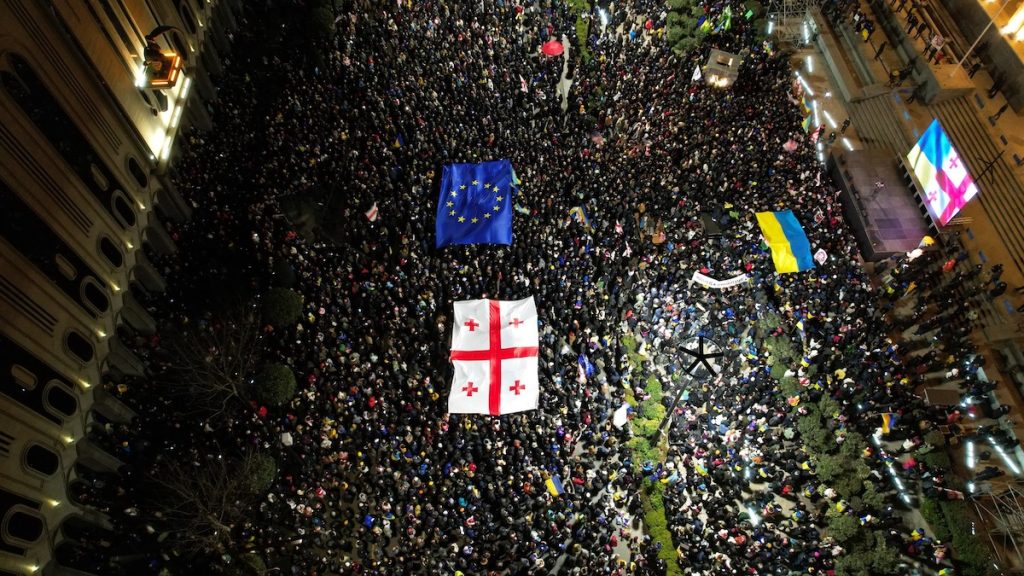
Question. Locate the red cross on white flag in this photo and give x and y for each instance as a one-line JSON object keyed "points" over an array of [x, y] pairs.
{"points": [[494, 350]]}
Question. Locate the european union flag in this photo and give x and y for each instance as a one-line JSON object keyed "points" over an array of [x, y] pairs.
{"points": [[475, 204]]}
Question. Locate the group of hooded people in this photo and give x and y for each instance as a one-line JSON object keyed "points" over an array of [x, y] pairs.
{"points": [[375, 476]]}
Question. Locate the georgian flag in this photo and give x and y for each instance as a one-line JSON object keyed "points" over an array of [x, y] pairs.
{"points": [[494, 350]]}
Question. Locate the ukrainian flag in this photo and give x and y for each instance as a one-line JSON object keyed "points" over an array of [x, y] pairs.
{"points": [[791, 252], [888, 421], [554, 485], [579, 214]]}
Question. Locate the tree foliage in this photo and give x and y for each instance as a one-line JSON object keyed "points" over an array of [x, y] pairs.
{"points": [[843, 527], [262, 473], [274, 384], [282, 307], [682, 31], [972, 556], [652, 409], [933, 515]]}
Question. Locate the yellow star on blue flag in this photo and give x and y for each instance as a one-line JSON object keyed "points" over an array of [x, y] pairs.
{"points": [[474, 215]]}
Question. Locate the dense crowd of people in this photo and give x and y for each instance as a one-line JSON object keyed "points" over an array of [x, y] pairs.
{"points": [[376, 477]]}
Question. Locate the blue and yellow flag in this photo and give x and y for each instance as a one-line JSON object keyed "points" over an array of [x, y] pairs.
{"points": [[888, 421], [579, 214], [554, 485], [791, 252], [475, 204]]}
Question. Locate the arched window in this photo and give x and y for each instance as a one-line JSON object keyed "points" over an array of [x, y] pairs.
{"points": [[137, 172], [123, 210], [23, 524], [59, 400], [42, 460], [179, 46], [81, 348], [111, 252], [187, 18], [95, 296]]}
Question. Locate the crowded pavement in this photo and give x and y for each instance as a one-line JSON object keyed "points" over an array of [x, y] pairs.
{"points": [[373, 475]]}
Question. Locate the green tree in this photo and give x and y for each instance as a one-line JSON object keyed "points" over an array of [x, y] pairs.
{"points": [[936, 459], [883, 557], [319, 25], [262, 471], [282, 307], [871, 496], [274, 384], [854, 445], [974, 558], [936, 520], [850, 480], [843, 527], [652, 409], [645, 427], [854, 563]]}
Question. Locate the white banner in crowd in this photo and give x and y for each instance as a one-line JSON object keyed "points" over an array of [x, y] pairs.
{"points": [[719, 284]]}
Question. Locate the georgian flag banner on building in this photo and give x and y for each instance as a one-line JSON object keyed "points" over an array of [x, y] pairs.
{"points": [[494, 350]]}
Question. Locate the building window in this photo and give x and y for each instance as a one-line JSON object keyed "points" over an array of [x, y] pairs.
{"points": [[23, 525], [179, 45], [111, 252], [59, 400], [187, 18], [42, 460], [81, 348], [23, 377], [45, 111], [122, 209], [137, 172], [93, 295]]}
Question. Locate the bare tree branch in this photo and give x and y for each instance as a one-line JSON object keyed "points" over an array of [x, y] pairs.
{"points": [[208, 365], [202, 504]]}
